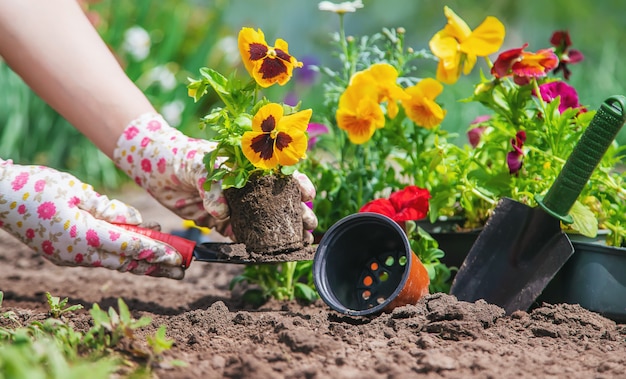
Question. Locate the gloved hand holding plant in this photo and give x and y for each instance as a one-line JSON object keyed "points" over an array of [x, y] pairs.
{"points": [[257, 140]]}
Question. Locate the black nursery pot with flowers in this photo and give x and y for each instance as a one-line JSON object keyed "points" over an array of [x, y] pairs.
{"points": [[594, 277]]}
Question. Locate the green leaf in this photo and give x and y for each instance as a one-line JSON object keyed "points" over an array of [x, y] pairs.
{"points": [[100, 317], [125, 316], [218, 81], [304, 291], [159, 342], [585, 222]]}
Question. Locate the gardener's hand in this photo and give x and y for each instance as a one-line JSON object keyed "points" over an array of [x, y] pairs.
{"points": [[70, 224], [169, 165]]}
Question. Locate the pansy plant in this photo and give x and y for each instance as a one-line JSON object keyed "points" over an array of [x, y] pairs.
{"points": [[252, 134], [518, 148]]}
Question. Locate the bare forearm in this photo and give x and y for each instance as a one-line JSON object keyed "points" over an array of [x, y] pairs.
{"points": [[58, 53]]}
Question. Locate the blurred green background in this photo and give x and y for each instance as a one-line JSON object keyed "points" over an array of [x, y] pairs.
{"points": [[184, 35]]}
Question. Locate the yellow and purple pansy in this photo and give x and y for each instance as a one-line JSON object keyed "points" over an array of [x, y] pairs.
{"points": [[266, 64], [276, 139]]}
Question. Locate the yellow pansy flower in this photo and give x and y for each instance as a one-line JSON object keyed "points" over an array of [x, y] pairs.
{"points": [[383, 77], [359, 113], [421, 106], [275, 138], [457, 46]]}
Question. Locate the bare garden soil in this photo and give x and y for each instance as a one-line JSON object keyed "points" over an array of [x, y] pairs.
{"points": [[217, 335]]}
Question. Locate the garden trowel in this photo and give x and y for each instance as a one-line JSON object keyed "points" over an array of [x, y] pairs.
{"points": [[219, 252], [521, 248]]}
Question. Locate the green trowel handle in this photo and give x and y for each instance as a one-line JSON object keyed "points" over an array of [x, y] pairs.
{"points": [[588, 152]]}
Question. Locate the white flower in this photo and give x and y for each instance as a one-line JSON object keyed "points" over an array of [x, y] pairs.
{"points": [[341, 8], [137, 42], [163, 76], [173, 111]]}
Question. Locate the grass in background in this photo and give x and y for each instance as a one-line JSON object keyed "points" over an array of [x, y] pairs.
{"points": [[184, 36]]}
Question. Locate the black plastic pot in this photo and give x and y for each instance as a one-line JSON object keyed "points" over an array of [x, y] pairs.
{"points": [[364, 265], [594, 277]]}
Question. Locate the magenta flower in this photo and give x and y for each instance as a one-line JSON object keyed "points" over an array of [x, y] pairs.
{"points": [[40, 185], [20, 181], [146, 165], [74, 201], [92, 238], [131, 132], [314, 130], [475, 133], [562, 90], [562, 42], [46, 210], [515, 158]]}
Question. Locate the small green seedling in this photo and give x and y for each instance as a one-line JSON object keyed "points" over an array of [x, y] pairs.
{"points": [[159, 342], [57, 306], [8, 314], [110, 327]]}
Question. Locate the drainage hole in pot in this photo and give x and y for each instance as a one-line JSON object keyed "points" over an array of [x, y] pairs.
{"points": [[383, 276], [402, 261], [368, 281], [389, 261]]}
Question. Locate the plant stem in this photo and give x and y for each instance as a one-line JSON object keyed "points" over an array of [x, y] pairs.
{"points": [[289, 269]]}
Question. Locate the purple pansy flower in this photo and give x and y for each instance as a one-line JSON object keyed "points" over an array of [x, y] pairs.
{"points": [[515, 158]]}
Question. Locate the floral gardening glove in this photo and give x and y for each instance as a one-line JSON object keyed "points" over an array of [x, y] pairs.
{"points": [[169, 165], [70, 224]]}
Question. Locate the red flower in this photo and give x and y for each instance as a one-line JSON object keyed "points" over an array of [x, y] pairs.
{"points": [[562, 42], [146, 165], [47, 247], [523, 65], [411, 203]]}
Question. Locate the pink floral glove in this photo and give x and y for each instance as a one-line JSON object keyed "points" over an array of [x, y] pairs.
{"points": [[70, 224], [169, 165]]}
